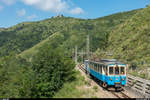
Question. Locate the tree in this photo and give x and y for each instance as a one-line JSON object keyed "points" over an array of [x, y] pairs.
{"points": [[52, 69]]}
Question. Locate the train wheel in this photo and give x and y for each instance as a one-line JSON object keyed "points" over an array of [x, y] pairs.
{"points": [[104, 84]]}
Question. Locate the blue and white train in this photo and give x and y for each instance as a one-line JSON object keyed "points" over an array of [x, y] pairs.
{"points": [[110, 72]]}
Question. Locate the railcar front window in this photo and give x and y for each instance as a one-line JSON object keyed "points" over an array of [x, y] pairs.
{"points": [[122, 70], [116, 70], [111, 72]]}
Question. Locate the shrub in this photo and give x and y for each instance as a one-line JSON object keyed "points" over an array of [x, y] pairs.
{"points": [[95, 88], [52, 69]]}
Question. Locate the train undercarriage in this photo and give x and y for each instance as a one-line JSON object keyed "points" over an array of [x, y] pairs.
{"points": [[117, 87]]}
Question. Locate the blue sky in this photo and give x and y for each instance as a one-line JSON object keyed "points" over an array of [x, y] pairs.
{"points": [[13, 12]]}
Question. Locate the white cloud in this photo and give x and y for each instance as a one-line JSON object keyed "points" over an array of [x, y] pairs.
{"points": [[21, 12], [48, 5], [76, 10], [8, 2], [1, 7], [56, 6], [32, 17]]}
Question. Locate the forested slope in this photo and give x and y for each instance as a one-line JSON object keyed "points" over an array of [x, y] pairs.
{"points": [[130, 40], [25, 35]]}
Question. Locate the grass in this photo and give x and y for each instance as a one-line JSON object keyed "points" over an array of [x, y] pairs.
{"points": [[32, 51], [75, 89], [95, 88]]}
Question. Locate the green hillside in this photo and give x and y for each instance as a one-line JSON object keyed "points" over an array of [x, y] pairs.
{"points": [[71, 30], [130, 40]]}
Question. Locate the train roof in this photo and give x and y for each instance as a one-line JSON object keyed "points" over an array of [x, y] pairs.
{"points": [[108, 62]]}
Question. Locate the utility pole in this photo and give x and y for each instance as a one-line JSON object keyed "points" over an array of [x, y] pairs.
{"points": [[87, 52], [82, 56], [76, 54]]}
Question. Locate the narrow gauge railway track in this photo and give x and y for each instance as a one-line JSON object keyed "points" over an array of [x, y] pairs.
{"points": [[120, 95], [116, 94], [82, 68], [124, 95]]}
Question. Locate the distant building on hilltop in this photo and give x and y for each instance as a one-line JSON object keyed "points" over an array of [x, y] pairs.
{"points": [[59, 15]]}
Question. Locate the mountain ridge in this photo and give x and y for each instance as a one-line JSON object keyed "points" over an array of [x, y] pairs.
{"points": [[23, 36]]}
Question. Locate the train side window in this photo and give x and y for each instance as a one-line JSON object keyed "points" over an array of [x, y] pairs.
{"points": [[122, 70], [90, 65], [107, 70], [116, 70], [96, 68], [111, 71], [100, 68], [104, 70], [93, 67]]}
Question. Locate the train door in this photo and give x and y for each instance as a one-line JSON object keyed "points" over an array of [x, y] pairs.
{"points": [[117, 74]]}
